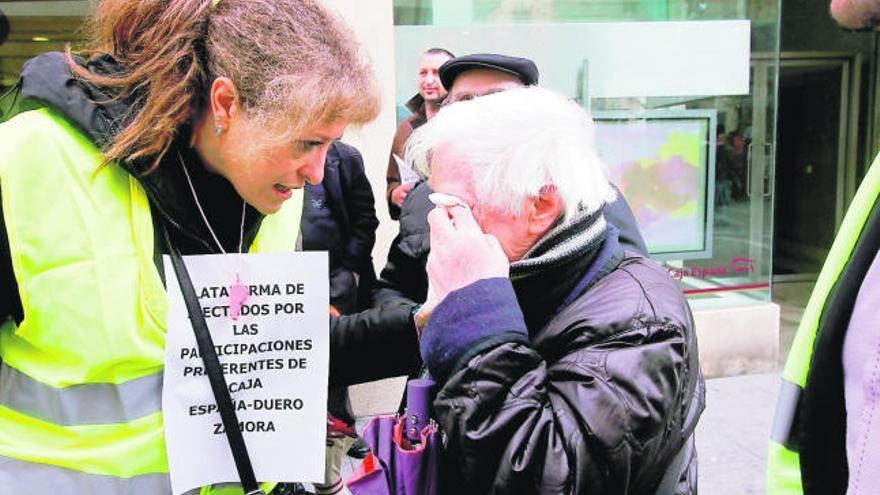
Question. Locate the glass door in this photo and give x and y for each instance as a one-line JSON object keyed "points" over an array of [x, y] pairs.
{"points": [[817, 136], [595, 53]]}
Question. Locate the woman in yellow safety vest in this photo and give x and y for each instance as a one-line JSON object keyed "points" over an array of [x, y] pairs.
{"points": [[196, 119]]}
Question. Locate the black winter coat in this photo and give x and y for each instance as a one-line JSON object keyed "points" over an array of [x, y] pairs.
{"points": [[598, 401]]}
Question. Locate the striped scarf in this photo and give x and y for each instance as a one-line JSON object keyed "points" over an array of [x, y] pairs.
{"points": [[554, 265]]}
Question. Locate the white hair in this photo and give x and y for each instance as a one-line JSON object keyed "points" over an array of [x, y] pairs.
{"points": [[517, 142]]}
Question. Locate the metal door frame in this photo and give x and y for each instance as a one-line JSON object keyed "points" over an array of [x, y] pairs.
{"points": [[847, 149]]}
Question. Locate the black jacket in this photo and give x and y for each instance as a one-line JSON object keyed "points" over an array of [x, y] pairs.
{"points": [[339, 217], [357, 342], [599, 400]]}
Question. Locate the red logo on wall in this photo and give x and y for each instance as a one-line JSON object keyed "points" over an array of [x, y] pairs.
{"points": [[736, 265]]}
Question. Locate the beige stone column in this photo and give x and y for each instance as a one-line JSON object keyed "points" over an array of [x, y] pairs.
{"points": [[373, 23]]}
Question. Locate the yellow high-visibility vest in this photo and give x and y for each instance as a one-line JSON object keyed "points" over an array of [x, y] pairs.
{"points": [[81, 376], [784, 467]]}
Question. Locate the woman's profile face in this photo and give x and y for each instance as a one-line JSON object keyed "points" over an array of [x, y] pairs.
{"points": [[265, 171]]}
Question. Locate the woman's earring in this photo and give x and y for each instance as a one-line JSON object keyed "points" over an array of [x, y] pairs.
{"points": [[218, 131]]}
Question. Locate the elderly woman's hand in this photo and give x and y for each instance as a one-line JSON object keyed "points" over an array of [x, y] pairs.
{"points": [[461, 253]]}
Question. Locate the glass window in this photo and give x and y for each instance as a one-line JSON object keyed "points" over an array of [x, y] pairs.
{"points": [[691, 147]]}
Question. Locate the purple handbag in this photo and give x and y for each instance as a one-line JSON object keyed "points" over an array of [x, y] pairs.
{"points": [[405, 456]]}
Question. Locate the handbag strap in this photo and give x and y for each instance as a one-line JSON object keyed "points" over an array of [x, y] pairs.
{"points": [[673, 471], [215, 375]]}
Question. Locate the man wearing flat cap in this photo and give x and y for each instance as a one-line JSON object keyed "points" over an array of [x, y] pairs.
{"points": [[485, 73], [565, 363], [465, 78]]}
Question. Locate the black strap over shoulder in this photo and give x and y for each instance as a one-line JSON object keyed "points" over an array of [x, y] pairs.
{"points": [[215, 376]]}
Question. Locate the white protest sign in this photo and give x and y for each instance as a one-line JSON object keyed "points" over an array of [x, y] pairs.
{"points": [[268, 318]]}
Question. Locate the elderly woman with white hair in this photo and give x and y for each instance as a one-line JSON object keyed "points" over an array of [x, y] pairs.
{"points": [[565, 364]]}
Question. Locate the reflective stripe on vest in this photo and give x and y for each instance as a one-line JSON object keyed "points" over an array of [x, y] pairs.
{"points": [[80, 384], [786, 407], [783, 462], [75, 405], [43, 479]]}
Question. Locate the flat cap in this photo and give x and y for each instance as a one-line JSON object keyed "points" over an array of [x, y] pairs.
{"points": [[522, 68]]}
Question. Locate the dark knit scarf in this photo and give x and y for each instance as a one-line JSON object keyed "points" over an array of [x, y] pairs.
{"points": [[555, 264]]}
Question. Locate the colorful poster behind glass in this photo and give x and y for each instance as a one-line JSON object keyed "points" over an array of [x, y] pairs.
{"points": [[663, 161]]}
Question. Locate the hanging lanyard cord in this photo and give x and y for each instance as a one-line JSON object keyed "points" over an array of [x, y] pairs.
{"points": [[215, 375], [205, 217]]}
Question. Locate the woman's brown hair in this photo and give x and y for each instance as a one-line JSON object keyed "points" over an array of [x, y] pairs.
{"points": [[293, 63]]}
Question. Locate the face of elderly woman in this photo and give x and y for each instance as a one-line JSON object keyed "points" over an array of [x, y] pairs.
{"points": [[263, 168]]}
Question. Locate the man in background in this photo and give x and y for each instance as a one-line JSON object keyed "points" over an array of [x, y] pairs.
{"points": [[423, 106]]}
